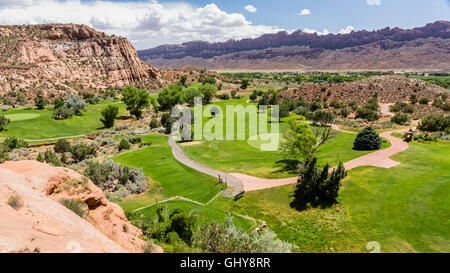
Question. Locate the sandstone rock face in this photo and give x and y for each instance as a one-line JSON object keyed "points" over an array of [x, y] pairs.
{"points": [[72, 58], [427, 47], [106, 229]]}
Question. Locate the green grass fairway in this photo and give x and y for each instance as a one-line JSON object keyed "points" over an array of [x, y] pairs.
{"points": [[205, 214], [405, 208], [17, 117], [170, 177], [239, 157], [39, 124]]}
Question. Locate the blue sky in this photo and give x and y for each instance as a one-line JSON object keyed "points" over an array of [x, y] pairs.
{"points": [[149, 23]]}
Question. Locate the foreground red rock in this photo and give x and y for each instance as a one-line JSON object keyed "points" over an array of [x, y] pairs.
{"points": [[41, 186]]}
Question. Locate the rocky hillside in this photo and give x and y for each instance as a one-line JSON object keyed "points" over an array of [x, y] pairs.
{"points": [[390, 89], [57, 58], [426, 47], [41, 224]]}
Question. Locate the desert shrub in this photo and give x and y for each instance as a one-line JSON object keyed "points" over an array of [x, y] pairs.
{"points": [[76, 104], [40, 158], [213, 237], [12, 143], [413, 99], [372, 103], [336, 104], [424, 100], [154, 123], [64, 158], [345, 112], [434, 123], [135, 140], [224, 96], [401, 107], [400, 118], [77, 206], [244, 83], [62, 146], [366, 140], [15, 201], [109, 114], [3, 122], [81, 152], [124, 145], [51, 158], [112, 177], [367, 114]]}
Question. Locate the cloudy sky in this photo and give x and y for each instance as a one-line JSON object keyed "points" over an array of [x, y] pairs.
{"points": [[149, 23]]}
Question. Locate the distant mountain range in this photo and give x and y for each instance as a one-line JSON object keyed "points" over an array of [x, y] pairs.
{"points": [[420, 48]]}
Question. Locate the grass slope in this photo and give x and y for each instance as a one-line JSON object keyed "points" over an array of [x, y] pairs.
{"points": [[405, 208], [39, 124], [170, 178]]}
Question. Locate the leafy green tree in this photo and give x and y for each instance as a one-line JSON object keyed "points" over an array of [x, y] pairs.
{"points": [[170, 97], [244, 83], [3, 122], [208, 91], [136, 100], [367, 140], [190, 93], [40, 102], [109, 114], [323, 118], [434, 123], [400, 118], [299, 141], [210, 80]]}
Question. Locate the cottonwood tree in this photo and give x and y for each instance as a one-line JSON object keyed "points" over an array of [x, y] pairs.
{"points": [[170, 96], [136, 100]]}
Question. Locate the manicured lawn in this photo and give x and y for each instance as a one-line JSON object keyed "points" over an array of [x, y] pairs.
{"points": [[169, 177], [405, 208], [205, 214], [39, 124], [239, 157]]}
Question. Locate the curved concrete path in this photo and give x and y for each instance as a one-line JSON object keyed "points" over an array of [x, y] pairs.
{"points": [[234, 183], [241, 182]]}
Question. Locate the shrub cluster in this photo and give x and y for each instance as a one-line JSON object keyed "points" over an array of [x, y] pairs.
{"points": [[115, 178], [435, 123]]}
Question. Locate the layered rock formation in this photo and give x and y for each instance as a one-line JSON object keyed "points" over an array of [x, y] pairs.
{"points": [[43, 223], [73, 58], [427, 47]]}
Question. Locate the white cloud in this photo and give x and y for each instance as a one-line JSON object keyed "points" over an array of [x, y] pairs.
{"points": [[147, 23], [373, 2], [305, 12], [323, 32], [346, 30], [250, 8]]}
